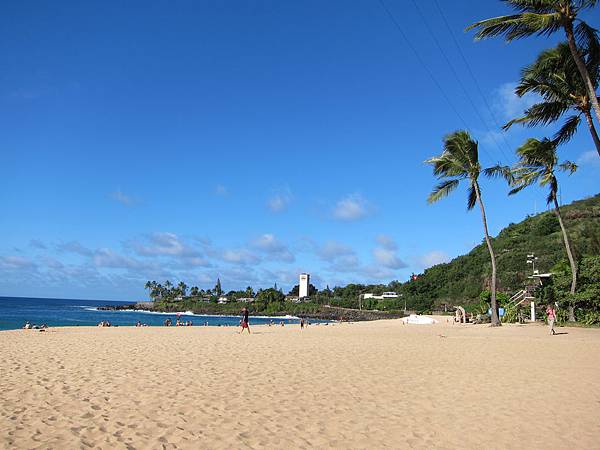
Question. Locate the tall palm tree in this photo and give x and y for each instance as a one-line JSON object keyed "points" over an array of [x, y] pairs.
{"points": [[182, 287], [538, 163], [544, 17], [460, 161], [555, 78]]}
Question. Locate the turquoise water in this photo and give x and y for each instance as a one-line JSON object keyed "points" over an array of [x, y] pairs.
{"points": [[15, 311]]}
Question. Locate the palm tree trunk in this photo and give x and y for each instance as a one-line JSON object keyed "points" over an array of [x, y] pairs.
{"points": [[571, 260], [593, 131], [493, 303], [568, 26]]}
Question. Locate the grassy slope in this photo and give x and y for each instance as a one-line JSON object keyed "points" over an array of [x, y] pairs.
{"points": [[464, 277]]}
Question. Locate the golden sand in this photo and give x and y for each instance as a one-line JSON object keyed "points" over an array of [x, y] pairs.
{"points": [[363, 385]]}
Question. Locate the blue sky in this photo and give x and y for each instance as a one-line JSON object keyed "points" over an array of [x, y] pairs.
{"points": [[247, 140]]}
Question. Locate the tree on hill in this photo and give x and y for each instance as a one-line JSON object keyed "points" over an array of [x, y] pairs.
{"points": [[545, 17], [218, 290], [555, 78], [538, 163], [460, 161], [270, 295], [182, 289], [588, 285]]}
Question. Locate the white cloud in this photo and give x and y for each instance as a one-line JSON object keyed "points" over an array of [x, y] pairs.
{"points": [[388, 258], [589, 158], [163, 244], [52, 262], [75, 247], [239, 256], [279, 201], [432, 258], [385, 255], [276, 249], [105, 257], [37, 243], [377, 273], [15, 262], [350, 208], [509, 105], [332, 250], [122, 198], [386, 242], [221, 190]]}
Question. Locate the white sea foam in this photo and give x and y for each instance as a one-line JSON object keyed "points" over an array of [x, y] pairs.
{"points": [[190, 313]]}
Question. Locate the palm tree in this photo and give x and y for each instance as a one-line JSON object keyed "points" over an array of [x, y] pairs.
{"points": [[460, 161], [182, 288], [538, 163], [544, 17], [555, 78]]}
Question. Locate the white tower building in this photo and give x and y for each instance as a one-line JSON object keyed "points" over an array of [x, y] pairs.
{"points": [[304, 283]]}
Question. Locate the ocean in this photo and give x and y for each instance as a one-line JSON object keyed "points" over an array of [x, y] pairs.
{"points": [[57, 312]]}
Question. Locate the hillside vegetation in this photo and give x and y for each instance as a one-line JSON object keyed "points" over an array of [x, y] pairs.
{"points": [[462, 279]]}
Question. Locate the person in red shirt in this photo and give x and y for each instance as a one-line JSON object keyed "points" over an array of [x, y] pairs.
{"points": [[551, 314]]}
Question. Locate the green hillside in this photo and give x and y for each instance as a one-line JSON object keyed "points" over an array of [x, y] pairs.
{"points": [[462, 279]]}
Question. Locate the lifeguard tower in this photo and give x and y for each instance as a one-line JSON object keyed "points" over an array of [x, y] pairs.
{"points": [[524, 296]]}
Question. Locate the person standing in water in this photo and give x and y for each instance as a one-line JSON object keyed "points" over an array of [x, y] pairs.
{"points": [[245, 321], [551, 314]]}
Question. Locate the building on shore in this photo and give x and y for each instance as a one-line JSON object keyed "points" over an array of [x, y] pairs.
{"points": [[382, 296], [303, 285]]}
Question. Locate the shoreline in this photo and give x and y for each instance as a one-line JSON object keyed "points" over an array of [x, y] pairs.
{"points": [[330, 313]]}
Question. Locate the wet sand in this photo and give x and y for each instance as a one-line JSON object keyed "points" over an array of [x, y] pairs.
{"points": [[362, 385]]}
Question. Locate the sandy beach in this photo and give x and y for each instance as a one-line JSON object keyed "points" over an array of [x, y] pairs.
{"points": [[361, 385]]}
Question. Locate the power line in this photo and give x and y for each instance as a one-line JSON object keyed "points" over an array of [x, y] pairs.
{"points": [[468, 66], [456, 76], [435, 81]]}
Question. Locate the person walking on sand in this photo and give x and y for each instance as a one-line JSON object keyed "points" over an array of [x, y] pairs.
{"points": [[551, 314], [245, 321], [301, 324]]}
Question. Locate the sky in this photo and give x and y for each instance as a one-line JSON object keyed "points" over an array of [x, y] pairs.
{"points": [[250, 141]]}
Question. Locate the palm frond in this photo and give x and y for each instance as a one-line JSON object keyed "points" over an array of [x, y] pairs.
{"points": [[500, 171], [442, 190], [537, 153], [519, 188], [472, 197], [524, 177], [543, 6], [568, 166], [567, 131], [518, 26], [587, 39]]}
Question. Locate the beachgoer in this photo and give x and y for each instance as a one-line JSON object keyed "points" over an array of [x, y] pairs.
{"points": [[301, 324], [27, 325], [138, 324], [245, 322], [551, 314]]}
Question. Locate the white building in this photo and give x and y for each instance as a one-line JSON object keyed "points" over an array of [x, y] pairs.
{"points": [[382, 296], [304, 283]]}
